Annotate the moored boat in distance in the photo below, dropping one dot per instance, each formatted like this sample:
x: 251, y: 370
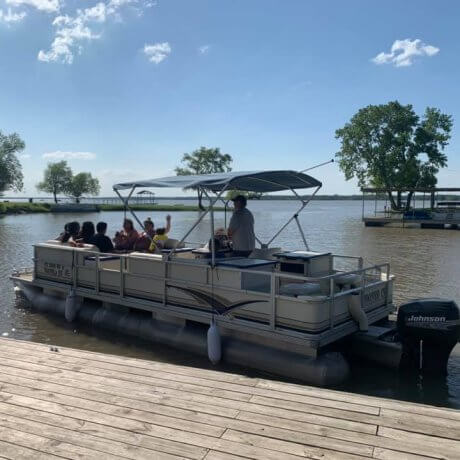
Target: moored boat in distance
x: 292, y: 313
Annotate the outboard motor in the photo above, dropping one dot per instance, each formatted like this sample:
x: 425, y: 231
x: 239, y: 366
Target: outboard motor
x: 428, y: 329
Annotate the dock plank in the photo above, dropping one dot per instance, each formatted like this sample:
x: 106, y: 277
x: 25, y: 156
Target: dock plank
x: 363, y: 399
x: 79, y: 404
x: 190, y: 376
x: 49, y: 446
x: 61, y: 361
x: 103, y: 431
x: 129, y: 362
x: 14, y: 451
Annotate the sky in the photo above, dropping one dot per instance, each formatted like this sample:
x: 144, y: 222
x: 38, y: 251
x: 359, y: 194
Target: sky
x: 123, y: 88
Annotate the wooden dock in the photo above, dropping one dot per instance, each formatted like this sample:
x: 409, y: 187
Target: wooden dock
x: 78, y: 404
x: 381, y: 221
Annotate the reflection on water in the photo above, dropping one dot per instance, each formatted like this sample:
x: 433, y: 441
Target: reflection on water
x: 425, y: 263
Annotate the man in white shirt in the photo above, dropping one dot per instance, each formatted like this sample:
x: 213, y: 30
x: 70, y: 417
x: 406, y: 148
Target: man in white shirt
x: 241, y: 228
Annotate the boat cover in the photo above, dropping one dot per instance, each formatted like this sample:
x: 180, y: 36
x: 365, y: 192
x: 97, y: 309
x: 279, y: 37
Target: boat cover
x: 255, y: 181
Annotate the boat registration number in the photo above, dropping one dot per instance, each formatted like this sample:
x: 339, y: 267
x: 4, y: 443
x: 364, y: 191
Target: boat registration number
x: 376, y: 296
x: 57, y: 270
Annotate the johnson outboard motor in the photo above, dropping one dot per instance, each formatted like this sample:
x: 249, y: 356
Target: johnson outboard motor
x: 429, y: 329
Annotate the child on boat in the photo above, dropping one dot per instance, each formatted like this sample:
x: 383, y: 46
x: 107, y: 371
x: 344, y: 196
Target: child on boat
x: 158, y: 241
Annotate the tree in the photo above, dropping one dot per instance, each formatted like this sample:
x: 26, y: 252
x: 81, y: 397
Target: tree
x: 57, y: 179
x: 383, y: 146
x: 204, y: 161
x: 10, y: 168
x: 83, y: 183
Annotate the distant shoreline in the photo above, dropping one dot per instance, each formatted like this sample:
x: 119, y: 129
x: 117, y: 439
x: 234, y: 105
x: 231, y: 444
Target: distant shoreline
x: 8, y: 208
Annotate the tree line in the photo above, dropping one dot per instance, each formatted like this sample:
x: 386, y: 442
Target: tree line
x: 386, y: 146
x: 58, y: 177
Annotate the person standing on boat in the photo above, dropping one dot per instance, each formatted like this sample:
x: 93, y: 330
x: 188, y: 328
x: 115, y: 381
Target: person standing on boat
x: 241, y: 228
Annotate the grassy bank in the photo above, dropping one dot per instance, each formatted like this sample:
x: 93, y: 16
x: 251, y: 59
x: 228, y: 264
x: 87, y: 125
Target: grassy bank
x: 23, y: 208
x: 30, y: 208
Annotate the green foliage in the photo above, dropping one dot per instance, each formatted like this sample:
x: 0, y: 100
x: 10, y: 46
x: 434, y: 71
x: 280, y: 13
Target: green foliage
x: 23, y: 208
x: 11, y: 177
x: 83, y: 183
x: 57, y: 179
x: 382, y: 146
x: 204, y: 161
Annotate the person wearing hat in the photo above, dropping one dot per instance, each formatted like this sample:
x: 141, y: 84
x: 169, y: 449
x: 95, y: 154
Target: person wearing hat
x: 241, y: 228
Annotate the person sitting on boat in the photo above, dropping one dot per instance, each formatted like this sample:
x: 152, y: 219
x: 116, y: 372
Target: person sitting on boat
x: 63, y: 234
x: 100, y: 239
x: 158, y: 240
x: 86, y: 234
x: 241, y: 228
x: 146, y: 237
x: 126, y: 238
x: 222, y: 243
x: 70, y: 234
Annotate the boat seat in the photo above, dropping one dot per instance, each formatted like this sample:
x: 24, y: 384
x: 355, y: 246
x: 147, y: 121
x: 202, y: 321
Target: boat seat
x: 300, y: 289
x: 171, y: 242
x: 264, y: 253
x: 87, y: 247
x: 58, y: 243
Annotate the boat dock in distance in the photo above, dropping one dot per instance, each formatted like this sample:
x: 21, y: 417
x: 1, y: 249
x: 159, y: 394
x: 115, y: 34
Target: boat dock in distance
x: 66, y: 403
x: 427, y: 208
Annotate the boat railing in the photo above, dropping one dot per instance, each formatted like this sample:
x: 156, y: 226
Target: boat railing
x: 371, y: 277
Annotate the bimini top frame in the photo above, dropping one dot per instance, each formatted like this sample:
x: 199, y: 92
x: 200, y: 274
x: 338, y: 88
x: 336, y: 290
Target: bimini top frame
x: 255, y: 181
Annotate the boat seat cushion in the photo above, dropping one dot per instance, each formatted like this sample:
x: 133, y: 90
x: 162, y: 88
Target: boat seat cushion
x: 298, y: 289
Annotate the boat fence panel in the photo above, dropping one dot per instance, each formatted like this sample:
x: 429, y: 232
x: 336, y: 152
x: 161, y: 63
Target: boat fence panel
x: 255, y: 298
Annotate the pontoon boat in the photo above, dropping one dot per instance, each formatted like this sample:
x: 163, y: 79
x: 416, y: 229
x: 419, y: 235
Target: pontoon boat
x: 292, y: 313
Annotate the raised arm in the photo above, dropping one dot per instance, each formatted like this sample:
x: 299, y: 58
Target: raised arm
x: 168, y: 224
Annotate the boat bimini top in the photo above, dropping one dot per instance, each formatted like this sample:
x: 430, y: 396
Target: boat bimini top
x: 253, y: 181
x: 218, y: 183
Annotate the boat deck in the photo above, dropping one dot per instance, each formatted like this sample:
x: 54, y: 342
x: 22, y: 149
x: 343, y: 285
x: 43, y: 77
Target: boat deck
x: 78, y: 404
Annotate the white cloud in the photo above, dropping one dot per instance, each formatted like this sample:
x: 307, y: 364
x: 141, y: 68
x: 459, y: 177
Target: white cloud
x: 50, y: 6
x: 204, y: 49
x: 59, y: 155
x: 403, y: 52
x: 9, y: 16
x: 97, y: 13
x: 68, y: 37
x: 73, y: 31
x: 157, y: 52
x: 24, y: 156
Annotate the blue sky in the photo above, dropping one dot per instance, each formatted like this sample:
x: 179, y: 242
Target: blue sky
x: 122, y: 88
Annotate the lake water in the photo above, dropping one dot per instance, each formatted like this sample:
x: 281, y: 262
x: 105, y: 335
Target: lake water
x: 425, y: 263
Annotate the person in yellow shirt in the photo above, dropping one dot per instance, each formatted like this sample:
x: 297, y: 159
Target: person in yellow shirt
x: 158, y: 240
